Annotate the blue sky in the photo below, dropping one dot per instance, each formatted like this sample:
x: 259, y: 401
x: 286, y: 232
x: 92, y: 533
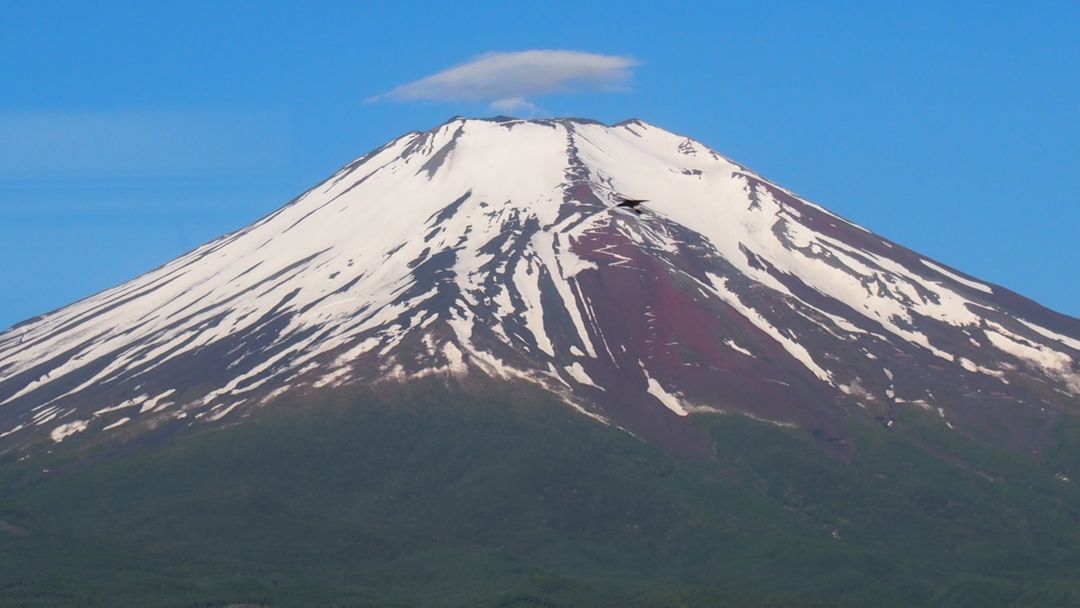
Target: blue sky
x: 132, y: 132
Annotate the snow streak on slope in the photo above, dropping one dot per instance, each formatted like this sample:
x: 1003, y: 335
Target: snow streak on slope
x: 493, y: 247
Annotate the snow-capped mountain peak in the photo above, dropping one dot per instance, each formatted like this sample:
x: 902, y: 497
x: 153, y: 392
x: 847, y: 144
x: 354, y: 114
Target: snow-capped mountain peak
x: 494, y: 249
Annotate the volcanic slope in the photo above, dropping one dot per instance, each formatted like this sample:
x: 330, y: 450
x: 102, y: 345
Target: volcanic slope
x: 493, y: 250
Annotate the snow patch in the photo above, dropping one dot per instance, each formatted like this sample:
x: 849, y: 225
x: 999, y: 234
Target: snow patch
x: 454, y: 358
x: 670, y: 401
x: 577, y: 372
x: 119, y: 422
x: 739, y: 349
x: 64, y: 431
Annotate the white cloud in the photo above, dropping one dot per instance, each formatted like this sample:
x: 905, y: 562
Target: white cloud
x: 506, y: 80
x: 510, y: 105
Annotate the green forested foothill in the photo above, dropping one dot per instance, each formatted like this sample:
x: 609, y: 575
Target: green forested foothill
x: 506, y: 498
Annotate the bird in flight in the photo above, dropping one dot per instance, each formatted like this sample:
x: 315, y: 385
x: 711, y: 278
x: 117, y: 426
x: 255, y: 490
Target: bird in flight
x: 631, y: 203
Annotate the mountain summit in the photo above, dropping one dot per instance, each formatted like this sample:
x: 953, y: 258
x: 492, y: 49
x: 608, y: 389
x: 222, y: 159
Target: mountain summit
x: 495, y: 250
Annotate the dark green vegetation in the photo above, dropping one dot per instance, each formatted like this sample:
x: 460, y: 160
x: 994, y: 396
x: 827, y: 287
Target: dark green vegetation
x: 434, y: 499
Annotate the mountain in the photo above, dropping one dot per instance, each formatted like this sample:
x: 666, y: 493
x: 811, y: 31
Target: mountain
x: 457, y: 373
x: 494, y: 249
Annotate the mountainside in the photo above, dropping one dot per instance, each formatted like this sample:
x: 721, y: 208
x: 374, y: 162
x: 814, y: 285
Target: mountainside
x: 493, y: 249
x: 459, y: 373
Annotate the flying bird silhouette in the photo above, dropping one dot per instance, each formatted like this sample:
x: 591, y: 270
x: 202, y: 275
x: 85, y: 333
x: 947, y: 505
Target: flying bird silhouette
x: 632, y: 203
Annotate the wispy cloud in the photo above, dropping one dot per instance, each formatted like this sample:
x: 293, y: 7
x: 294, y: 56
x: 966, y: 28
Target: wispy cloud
x: 53, y: 146
x: 507, y: 80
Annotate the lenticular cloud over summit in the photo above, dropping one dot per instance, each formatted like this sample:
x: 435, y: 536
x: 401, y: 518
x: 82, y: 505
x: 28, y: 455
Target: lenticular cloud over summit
x: 507, y: 79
